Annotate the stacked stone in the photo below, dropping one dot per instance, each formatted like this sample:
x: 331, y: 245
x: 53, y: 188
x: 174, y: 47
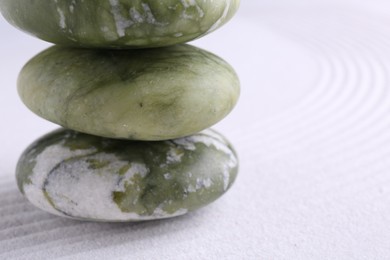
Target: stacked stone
x: 134, y: 145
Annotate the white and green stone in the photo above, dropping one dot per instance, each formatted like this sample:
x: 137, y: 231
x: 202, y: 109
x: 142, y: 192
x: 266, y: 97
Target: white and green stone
x: 118, y: 23
x: 82, y: 176
x: 143, y: 94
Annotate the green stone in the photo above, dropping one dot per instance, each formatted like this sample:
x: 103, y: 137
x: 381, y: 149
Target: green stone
x: 143, y: 94
x: 82, y: 176
x: 118, y: 23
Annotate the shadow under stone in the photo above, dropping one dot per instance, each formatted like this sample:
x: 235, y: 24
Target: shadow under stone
x: 31, y: 232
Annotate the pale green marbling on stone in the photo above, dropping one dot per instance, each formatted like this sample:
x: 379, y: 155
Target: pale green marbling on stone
x: 144, y: 94
x: 118, y: 23
x: 93, y: 178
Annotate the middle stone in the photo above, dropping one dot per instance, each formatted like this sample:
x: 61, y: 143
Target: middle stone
x: 148, y: 94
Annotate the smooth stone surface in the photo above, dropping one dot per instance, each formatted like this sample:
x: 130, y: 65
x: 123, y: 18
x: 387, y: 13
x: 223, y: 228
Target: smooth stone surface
x: 93, y: 178
x: 147, y: 94
x: 118, y: 23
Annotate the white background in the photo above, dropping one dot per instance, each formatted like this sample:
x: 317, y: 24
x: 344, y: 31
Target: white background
x: 312, y: 129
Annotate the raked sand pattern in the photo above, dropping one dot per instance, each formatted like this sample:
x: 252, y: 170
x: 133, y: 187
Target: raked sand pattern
x: 314, y: 177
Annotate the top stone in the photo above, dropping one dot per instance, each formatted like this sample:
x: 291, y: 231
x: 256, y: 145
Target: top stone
x: 118, y: 23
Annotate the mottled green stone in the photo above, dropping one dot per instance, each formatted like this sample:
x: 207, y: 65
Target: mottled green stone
x: 143, y: 94
x: 82, y: 176
x: 118, y: 23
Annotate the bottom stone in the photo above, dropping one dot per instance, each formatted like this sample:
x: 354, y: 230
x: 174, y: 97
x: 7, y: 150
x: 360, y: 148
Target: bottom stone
x: 93, y: 178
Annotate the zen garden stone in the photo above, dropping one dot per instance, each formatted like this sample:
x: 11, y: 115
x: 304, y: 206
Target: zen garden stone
x: 151, y: 94
x: 134, y: 146
x: 118, y: 23
x: 88, y: 177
